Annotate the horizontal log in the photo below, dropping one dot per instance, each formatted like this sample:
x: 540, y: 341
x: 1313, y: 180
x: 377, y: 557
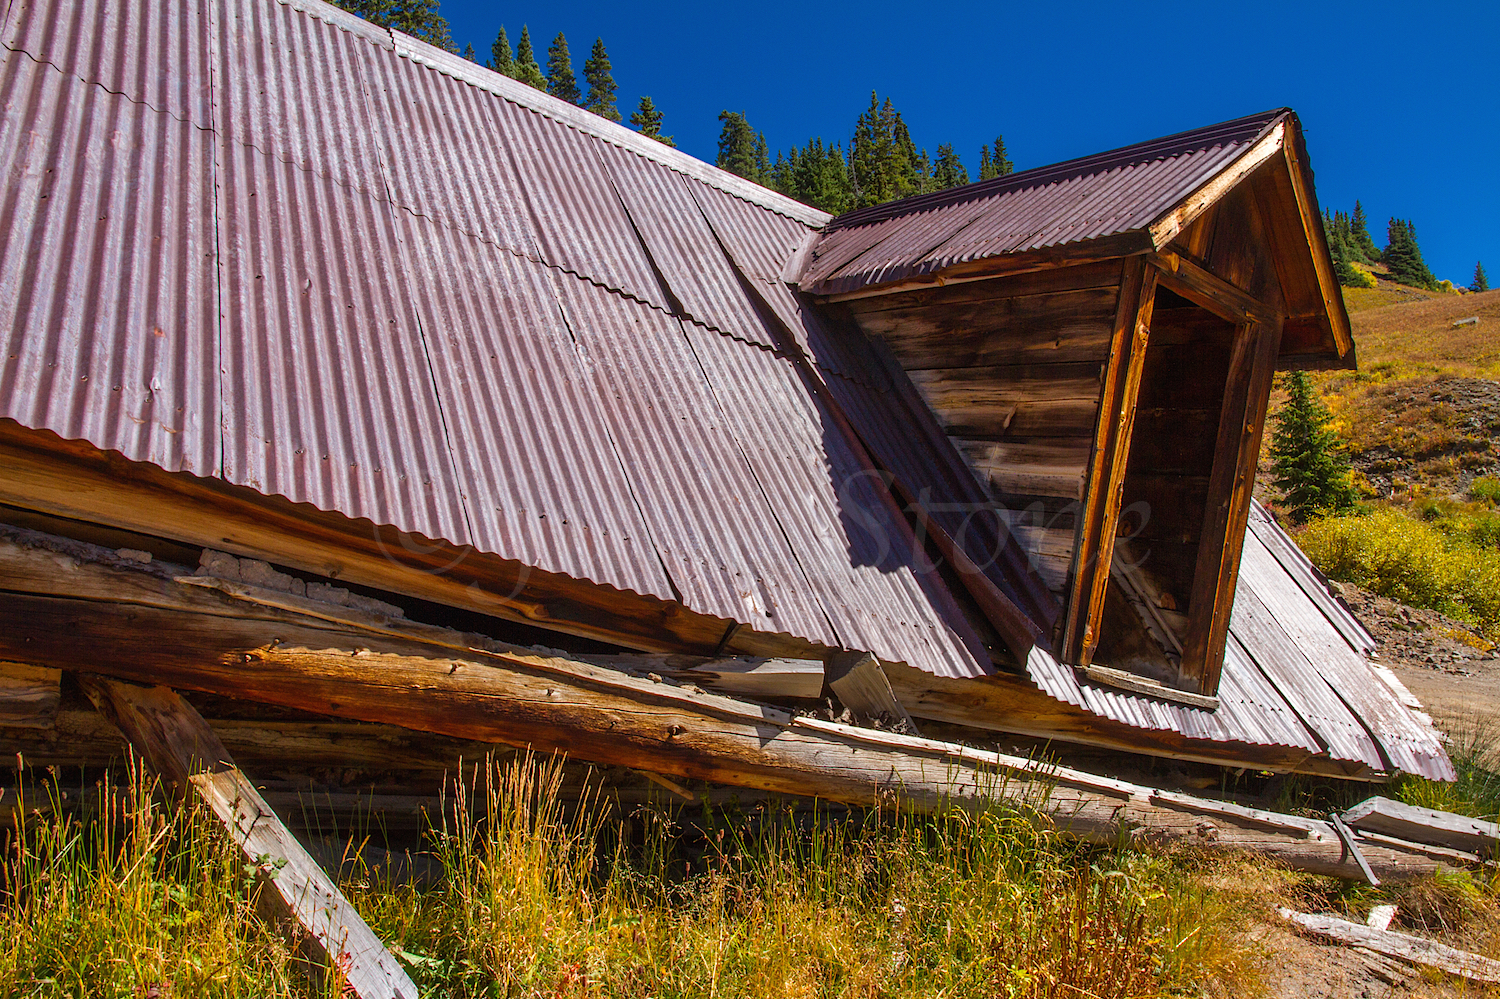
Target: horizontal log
x: 67, y: 611
x: 28, y: 695
x: 1425, y: 825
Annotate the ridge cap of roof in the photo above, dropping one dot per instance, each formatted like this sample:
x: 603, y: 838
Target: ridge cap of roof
x: 1158, y: 148
x: 575, y: 117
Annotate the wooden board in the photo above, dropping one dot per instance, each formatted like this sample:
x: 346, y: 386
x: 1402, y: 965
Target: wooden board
x: 28, y: 695
x: 1417, y: 950
x: 1425, y: 825
x: 177, y: 744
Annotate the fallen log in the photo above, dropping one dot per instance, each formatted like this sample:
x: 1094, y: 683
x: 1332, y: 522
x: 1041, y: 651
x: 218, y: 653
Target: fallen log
x: 179, y: 746
x: 70, y: 607
x: 1417, y: 950
x: 1425, y: 825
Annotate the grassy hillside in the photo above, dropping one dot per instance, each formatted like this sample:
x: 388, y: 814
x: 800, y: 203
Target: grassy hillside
x: 1421, y: 420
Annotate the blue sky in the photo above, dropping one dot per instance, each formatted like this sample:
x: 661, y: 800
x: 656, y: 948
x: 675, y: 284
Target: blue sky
x: 1401, y: 103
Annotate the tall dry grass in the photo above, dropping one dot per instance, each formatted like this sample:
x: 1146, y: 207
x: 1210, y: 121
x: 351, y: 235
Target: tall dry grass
x: 544, y: 895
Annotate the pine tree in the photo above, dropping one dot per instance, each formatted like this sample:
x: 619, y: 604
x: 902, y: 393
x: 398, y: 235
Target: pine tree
x: 999, y: 160
x: 596, y: 73
x: 948, y: 170
x: 501, y: 61
x: 1359, y: 236
x: 884, y: 160
x: 762, y: 159
x: 819, y: 176
x: 737, y: 145
x: 527, y: 70
x: 1404, y: 257
x: 648, y: 119
x: 1308, y: 463
x: 418, y: 18
x: 1480, y: 282
x: 561, y: 83
x: 470, y: 54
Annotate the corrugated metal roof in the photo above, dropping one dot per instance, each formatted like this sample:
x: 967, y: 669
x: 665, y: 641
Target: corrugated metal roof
x: 108, y: 321
x: 1109, y: 194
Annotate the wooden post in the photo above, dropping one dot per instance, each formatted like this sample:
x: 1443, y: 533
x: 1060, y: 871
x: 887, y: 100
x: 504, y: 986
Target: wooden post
x: 1094, y: 547
x: 177, y: 743
x: 1242, y: 419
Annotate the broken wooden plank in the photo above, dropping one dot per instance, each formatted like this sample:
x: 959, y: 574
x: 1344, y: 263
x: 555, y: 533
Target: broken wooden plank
x: 177, y: 743
x: 1380, y: 917
x: 742, y: 676
x: 29, y: 695
x: 861, y: 685
x: 1425, y: 825
x: 1107, y: 677
x: 1417, y: 950
x: 137, y: 624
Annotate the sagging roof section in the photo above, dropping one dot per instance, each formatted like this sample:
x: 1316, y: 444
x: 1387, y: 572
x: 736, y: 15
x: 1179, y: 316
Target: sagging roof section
x: 1296, y: 673
x: 240, y: 241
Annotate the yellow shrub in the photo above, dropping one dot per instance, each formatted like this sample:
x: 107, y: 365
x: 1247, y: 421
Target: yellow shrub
x: 1411, y: 561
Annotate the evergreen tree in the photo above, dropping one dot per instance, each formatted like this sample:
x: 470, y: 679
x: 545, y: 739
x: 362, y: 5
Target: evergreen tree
x: 501, y: 60
x: 737, y: 145
x: 819, y: 176
x: 948, y: 170
x: 418, y: 18
x: 1359, y: 236
x: 1308, y: 463
x: 596, y: 72
x: 1403, y: 256
x: 762, y: 159
x: 883, y: 161
x: 561, y: 83
x: 648, y: 119
x: 1480, y: 282
x: 994, y: 163
x: 526, y: 68
x: 470, y: 54
x: 1338, y: 229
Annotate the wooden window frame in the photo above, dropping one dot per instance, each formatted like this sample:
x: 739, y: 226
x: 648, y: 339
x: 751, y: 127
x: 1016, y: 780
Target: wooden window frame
x: 1253, y: 357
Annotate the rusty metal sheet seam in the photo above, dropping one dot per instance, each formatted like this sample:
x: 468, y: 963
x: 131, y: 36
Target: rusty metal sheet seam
x: 105, y: 88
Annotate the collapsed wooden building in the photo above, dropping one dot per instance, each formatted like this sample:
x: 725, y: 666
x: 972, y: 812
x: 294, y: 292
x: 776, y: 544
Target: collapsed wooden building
x: 344, y: 376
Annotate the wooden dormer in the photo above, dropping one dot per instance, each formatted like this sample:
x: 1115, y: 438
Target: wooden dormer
x: 1099, y: 339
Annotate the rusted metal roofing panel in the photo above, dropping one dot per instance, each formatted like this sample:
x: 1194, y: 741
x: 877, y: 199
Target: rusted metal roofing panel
x: 107, y: 291
x: 581, y: 225
x: 1110, y: 194
x: 681, y: 244
x: 297, y: 110
x: 328, y: 397
x: 708, y: 518
x: 541, y: 480
x: 840, y: 523
x: 152, y: 53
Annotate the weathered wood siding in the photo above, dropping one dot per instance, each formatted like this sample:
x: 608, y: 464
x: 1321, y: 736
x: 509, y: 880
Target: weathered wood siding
x: 1011, y: 367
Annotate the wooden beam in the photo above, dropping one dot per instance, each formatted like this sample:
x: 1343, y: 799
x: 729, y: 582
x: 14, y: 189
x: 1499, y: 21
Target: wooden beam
x: 1242, y: 420
x: 1093, y: 549
x: 73, y: 480
x: 178, y: 744
x: 1425, y: 825
x: 67, y: 610
x: 1417, y: 950
x: 28, y: 695
x: 1201, y: 286
x: 1317, y: 241
x: 1181, y: 215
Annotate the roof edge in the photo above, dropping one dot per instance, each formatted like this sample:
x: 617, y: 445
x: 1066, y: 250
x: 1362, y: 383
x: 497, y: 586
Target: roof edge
x: 586, y: 121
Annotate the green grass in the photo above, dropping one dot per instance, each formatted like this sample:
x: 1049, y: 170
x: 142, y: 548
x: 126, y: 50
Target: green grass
x: 1413, y: 560
x: 547, y: 898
